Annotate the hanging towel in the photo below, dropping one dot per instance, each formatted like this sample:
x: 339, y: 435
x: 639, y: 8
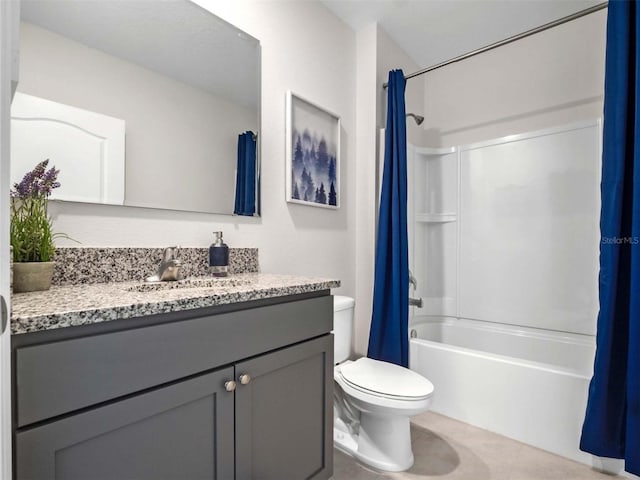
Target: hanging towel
x: 245, y: 203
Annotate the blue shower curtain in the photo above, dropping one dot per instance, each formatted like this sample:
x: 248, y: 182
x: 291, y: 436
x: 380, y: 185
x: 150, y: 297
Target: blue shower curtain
x: 388, y: 336
x: 246, y: 175
x: 612, y: 423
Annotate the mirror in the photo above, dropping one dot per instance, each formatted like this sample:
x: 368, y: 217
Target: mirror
x: 139, y: 103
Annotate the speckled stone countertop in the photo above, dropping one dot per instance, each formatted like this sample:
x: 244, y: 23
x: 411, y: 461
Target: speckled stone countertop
x: 67, y: 306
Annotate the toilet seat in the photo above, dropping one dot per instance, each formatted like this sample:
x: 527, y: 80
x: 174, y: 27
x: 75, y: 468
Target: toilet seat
x: 386, y: 380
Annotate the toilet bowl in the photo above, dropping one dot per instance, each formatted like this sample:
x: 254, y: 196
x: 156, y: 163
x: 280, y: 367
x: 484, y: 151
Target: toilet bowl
x: 373, y: 402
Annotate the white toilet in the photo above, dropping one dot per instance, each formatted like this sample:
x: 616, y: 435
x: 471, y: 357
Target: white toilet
x: 373, y: 401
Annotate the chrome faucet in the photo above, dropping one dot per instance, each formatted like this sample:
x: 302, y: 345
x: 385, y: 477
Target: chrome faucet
x: 412, y: 280
x: 414, y: 302
x: 170, y: 268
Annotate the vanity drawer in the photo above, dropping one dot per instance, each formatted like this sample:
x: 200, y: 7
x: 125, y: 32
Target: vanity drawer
x: 63, y: 376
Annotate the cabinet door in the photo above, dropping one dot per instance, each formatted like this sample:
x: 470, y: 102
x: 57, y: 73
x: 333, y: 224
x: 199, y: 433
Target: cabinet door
x: 284, y: 415
x: 181, y: 431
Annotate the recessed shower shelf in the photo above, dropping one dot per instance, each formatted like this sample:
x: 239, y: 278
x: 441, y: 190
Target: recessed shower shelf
x: 435, y: 217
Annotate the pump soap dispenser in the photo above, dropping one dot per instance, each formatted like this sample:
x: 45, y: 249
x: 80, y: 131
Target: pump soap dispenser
x: 219, y: 257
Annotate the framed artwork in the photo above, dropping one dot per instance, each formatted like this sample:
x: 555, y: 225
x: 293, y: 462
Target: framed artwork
x: 312, y: 154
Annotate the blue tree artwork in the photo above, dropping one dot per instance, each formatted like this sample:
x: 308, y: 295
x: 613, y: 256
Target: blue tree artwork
x: 314, y: 161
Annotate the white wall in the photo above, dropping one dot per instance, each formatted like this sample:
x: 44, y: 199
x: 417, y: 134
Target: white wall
x: 366, y: 105
x: 174, y: 131
x: 390, y: 56
x: 551, y: 78
x: 309, y: 51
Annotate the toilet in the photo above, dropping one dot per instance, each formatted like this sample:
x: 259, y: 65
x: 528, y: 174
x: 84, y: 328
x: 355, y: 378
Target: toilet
x: 373, y: 401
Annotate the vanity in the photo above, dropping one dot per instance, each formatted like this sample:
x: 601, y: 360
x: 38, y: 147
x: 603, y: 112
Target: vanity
x: 113, y: 380
x: 183, y: 383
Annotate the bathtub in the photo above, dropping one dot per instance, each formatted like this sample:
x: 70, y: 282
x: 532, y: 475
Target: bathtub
x: 527, y: 384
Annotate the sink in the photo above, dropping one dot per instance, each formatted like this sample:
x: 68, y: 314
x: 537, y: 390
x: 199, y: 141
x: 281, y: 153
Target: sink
x: 208, y: 282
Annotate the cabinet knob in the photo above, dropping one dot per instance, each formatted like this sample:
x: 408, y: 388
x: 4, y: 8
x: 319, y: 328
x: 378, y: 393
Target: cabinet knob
x: 244, y: 378
x: 230, y: 386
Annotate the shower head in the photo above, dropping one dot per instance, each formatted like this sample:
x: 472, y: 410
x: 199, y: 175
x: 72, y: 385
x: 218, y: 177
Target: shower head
x: 418, y: 118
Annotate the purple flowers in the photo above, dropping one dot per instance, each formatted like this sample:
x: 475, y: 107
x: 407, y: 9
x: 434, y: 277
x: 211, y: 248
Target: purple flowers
x: 38, y: 182
x: 31, y: 230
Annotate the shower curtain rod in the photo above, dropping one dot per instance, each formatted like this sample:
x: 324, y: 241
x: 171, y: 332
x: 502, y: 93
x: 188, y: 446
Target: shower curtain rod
x: 519, y: 36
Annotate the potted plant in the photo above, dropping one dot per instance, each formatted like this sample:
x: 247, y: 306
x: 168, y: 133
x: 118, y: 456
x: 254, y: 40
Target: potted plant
x: 31, y: 232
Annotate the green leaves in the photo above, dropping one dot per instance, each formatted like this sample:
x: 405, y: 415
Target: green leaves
x: 31, y: 230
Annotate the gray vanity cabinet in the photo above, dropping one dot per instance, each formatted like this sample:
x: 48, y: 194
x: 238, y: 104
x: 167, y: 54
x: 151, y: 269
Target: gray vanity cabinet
x: 183, y: 431
x: 281, y: 409
x: 182, y: 419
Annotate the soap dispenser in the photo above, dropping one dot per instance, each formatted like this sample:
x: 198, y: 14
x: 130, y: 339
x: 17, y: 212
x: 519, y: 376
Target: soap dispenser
x: 219, y: 257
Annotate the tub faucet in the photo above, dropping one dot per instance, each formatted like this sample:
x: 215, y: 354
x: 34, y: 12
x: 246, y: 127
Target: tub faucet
x: 414, y: 302
x: 412, y: 280
x: 170, y: 268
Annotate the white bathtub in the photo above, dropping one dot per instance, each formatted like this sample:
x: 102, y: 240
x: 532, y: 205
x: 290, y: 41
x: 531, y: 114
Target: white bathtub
x: 527, y: 384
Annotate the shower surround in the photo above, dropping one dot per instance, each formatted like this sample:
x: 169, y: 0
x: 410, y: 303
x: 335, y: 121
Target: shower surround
x: 504, y: 244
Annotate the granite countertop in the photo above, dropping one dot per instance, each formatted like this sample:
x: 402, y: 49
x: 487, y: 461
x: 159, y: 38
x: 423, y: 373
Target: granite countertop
x: 67, y: 306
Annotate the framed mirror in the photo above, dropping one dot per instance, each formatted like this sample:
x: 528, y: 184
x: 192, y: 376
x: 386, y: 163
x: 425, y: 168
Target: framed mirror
x: 139, y: 103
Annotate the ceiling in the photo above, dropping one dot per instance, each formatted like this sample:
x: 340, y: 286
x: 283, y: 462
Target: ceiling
x: 432, y: 31
x: 155, y: 38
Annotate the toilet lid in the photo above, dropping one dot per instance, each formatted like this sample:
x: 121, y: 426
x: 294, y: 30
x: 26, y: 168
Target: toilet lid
x: 386, y: 378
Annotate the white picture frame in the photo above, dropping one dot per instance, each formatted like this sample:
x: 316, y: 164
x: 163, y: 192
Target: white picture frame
x: 312, y: 154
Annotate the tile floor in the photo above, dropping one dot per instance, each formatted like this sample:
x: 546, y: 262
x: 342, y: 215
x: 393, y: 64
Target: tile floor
x: 447, y: 449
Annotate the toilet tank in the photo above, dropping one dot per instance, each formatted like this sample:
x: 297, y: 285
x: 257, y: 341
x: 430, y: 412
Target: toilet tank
x: 342, y: 327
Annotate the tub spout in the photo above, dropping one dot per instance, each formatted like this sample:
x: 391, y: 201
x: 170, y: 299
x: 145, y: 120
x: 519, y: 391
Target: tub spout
x: 415, y: 302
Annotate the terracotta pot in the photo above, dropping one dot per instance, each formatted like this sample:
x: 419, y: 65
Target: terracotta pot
x: 32, y: 276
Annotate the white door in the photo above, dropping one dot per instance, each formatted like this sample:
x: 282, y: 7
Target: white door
x: 9, y: 23
x: 87, y: 147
